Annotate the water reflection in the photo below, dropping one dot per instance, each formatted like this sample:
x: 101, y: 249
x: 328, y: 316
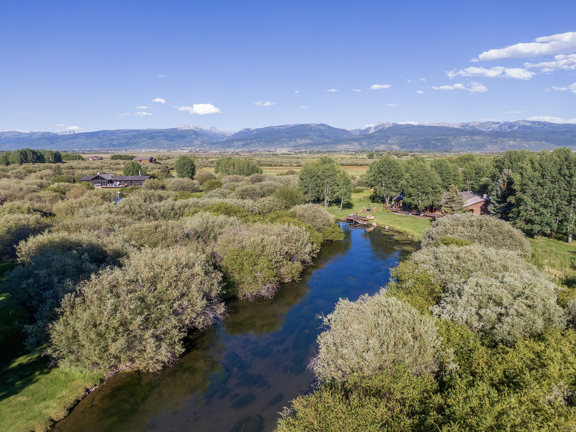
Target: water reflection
x: 238, y: 376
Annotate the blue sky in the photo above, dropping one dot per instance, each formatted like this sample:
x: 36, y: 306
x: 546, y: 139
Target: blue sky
x: 88, y: 65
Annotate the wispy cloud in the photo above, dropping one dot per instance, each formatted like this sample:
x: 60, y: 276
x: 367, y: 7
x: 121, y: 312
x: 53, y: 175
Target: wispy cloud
x: 264, y: 104
x: 560, y: 43
x: 571, y: 88
x: 200, y: 109
x: 332, y: 90
x: 159, y: 100
x: 162, y: 76
x: 552, y: 119
x: 142, y: 114
x: 419, y: 92
x: 303, y: 107
x: 380, y: 86
x: 357, y: 90
x: 392, y: 105
x: 561, y: 61
x: 494, y: 72
x: 296, y: 91
x: 472, y: 88
x: 142, y: 107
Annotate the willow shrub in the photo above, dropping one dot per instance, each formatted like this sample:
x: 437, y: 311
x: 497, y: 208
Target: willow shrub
x: 483, y: 230
x: 314, y: 215
x: 163, y: 233
x: 207, y: 227
x: 375, y: 335
x: 399, y: 401
x: 281, y: 251
x: 51, y: 266
x: 505, y: 307
x: 169, y: 291
x: 17, y: 227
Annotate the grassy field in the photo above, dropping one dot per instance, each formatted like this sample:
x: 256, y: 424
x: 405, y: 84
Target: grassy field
x: 32, y: 395
x: 411, y: 225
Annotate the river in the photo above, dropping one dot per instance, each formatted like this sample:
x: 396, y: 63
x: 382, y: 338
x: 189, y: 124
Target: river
x: 239, y: 375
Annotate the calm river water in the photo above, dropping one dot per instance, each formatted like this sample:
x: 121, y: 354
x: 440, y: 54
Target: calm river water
x: 239, y: 375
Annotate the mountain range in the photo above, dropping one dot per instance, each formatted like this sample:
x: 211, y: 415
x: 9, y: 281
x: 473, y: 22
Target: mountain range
x: 460, y: 137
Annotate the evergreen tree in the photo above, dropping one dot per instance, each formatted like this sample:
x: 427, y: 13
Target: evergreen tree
x: 453, y: 202
x: 503, y: 196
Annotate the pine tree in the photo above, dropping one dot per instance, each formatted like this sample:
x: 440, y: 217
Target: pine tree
x: 453, y: 202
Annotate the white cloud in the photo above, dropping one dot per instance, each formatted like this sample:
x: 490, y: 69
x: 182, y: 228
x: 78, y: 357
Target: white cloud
x: 265, y: 104
x: 560, y: 43
x: 124, y: 114
x: 72, y: 128
x: 419, y: 92
x: 473, y: 88
x: 357, y: 90
x: 332, y: 90
x: 162, y: 76
x: 142, y: 114
x: 494, y: 72
x: 380, y: 86
x: 552, y: 119
x: 296, y: 91
x: 561, y: 61
x: 159, y: 100
x: 570, y: 88
x: 142, y: 107
x: 303, y: 107
x: 200, y: 109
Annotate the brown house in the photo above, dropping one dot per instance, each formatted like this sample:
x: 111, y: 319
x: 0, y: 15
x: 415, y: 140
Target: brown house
x: 95, y: 157
x: 145, y: 160
x: 114, y: 181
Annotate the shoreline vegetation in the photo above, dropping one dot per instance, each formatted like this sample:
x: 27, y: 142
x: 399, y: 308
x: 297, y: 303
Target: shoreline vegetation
x: 66, y: 246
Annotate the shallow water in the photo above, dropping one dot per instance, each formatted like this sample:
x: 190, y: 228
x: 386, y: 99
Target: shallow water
x: 239, y: 375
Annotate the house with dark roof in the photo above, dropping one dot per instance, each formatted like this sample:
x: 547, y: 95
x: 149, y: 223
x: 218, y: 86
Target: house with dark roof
x: 114, y: 181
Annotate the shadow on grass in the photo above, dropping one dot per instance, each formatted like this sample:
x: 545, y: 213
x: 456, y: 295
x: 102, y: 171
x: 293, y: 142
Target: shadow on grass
x: 18, y: 368
x: 23, y: 370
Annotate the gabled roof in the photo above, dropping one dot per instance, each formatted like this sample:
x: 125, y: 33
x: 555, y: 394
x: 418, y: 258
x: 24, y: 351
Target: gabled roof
x: 113, y: 177
x: 470, y: 198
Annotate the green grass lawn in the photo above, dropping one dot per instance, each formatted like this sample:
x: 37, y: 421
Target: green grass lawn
x: 556, y: 258
x: 411, y: 225
x: 32, y: 394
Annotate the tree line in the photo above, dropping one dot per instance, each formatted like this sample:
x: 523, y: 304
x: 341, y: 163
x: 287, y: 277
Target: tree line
x: 22, y: 156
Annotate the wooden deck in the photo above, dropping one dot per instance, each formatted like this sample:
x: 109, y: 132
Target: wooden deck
x: 358, y: 220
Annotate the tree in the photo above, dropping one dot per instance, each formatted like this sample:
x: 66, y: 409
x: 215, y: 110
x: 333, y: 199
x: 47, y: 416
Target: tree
x: 318, y: 180
x: 185, y: 167
x: 453, y: 202
x: 133, y: 168
x: 422, y: 186
x: 237, y: 166
x: 385, y: 177
x: 503, y: 195
x: 343, y: 190
x: 449, y: 173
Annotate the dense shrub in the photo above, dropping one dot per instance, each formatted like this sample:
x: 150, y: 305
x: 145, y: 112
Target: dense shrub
x: 156, y: 234
x: 375, y: 335
x: 314, y: 215
x: 182, y: 184
x: 122, y: 157
x: 399, y: 401
x: 505, y: 307
x: 154, y: 184
x: 238, y: 166
x: 51, y: 266
x: 279, y: 251
x: 423, y: 278
x: 290, y: 195
x: 483, y: 230
x: 207, y: 227
x: 169, y: 291
x: 211, y: 184
x: 203, y: 176
x: 17, y: 227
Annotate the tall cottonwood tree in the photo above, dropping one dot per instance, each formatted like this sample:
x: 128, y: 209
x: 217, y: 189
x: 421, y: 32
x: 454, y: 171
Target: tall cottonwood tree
x: 385, y: 177
x: 319, y: 180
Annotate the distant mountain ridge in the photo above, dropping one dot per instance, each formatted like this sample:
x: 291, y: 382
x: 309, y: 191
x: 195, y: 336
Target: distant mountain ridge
x: 460, y: 137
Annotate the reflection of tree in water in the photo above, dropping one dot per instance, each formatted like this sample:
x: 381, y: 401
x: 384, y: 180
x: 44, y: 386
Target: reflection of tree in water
x: 128, y: 400
x: 265, y: 316
x: 387, y: 245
